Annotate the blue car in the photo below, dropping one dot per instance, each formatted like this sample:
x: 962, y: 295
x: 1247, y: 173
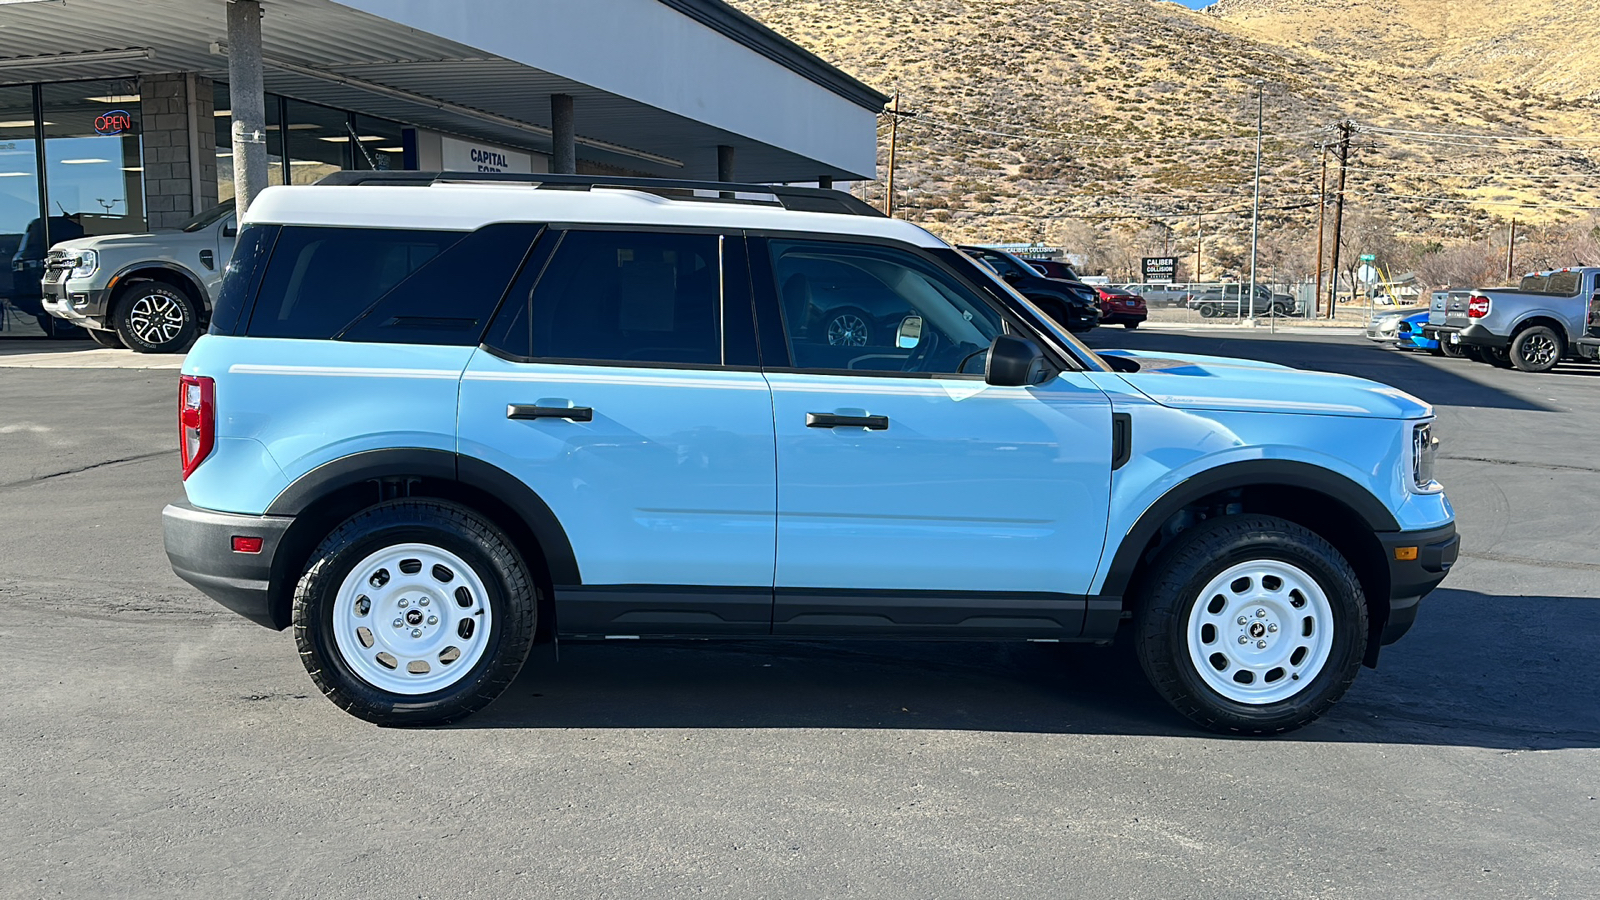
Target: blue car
x: 1409, y: 334
x: 440, y: 418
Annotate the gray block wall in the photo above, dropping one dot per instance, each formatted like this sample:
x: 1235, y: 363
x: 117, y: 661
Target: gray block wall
x: 172, y: 154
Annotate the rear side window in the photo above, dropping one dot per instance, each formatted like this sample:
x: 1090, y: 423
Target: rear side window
x: 450, y: 299
x: 621, y: 297
x: 320, y: 279
x: 242, y: 274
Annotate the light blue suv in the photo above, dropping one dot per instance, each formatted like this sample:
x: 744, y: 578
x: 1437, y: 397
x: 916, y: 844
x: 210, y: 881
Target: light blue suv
x: 439, y: 418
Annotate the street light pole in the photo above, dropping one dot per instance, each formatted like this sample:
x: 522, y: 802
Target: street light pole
x: 1255, y: 214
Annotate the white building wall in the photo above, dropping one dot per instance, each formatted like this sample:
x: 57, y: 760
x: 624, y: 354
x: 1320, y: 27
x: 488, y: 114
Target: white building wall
x: 648, y: 52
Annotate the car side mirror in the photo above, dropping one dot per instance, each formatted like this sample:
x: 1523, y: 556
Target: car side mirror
x: 909, y: 334
x: 1011, y: 361
x: 230, y: 228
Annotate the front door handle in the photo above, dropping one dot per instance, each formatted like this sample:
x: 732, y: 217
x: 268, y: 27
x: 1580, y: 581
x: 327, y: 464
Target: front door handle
x: 830, y: 420
x: 575, y: 413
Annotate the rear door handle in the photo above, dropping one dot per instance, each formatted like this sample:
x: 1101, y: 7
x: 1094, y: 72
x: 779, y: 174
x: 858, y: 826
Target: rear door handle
x: 575, y: 413
x: 830, y: 420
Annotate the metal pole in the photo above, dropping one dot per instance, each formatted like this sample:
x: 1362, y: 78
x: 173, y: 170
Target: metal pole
x: 247, y: 102
x: 894, y: 129
x: 1511, y: 244
x: 1338, y: 220
x: 1322, y: 215
x: 1255, y: 213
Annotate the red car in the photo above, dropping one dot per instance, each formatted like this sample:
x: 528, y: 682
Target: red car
x: 1120, y: 307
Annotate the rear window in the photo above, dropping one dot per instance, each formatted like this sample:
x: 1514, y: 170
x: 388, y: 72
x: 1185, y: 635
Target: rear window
x: 320, y: 279
x: 1559, y: 284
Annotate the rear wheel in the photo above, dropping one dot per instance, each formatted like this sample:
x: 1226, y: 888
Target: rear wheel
x: 414, y: 612
x: 1454, y: 351
x: 1536, y: 349
x: 155, y: 317
x: 1498, y: 357
x: 1251, y: 624
x: 108, y: 339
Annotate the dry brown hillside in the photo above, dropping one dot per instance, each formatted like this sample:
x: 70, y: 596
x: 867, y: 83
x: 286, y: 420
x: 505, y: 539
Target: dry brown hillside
x: 1076, y: 121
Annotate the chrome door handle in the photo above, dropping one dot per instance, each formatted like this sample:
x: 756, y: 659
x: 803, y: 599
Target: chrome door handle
x: 830, y: 420
x: 574, y: 413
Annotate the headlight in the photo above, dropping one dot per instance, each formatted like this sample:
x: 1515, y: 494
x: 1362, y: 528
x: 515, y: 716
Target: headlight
x: 85, y: 264
x: 1424, y: 452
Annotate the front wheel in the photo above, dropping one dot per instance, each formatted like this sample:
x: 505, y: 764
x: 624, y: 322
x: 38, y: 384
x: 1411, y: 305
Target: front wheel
x: 414, y: 612
x: 1251, y: 624
x: 1536, y: 349
x: 155, y: 317
x: 849, y: 328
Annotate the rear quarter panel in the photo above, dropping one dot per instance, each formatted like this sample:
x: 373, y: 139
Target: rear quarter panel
x: 285, y: 407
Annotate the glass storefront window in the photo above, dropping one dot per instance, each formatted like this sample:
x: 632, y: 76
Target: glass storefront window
x: 319, y: 141
x: 381, y: 145
x: 94, y: 165
x: 19, y: 211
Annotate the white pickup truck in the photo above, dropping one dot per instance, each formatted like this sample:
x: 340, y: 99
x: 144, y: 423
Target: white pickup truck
x: 1531, y: 327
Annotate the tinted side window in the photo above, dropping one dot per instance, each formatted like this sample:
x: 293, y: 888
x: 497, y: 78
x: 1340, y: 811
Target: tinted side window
x: 241, y: 275
x: 622, y: 297
x: 858, y: 307
x: 450, y: 299
x: 319, y: 279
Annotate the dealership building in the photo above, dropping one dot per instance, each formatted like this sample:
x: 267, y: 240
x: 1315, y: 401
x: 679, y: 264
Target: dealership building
x: 116, y: 116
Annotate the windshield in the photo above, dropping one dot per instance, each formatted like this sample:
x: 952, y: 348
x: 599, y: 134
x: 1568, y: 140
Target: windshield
x: 207, y: 218
x: 1560, y: 284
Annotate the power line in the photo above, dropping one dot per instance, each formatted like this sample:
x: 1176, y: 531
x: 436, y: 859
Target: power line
x: 1107, y: 142
x: 1474, y: 202
x: 1593, y: 175
x: 1486, y: 137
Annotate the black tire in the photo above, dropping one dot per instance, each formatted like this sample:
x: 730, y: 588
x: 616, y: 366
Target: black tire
x: 1453, y: 351
x: 848, y: 327
x: 1184, y: 570
x: 1500, y: 359
x: 1209, y: 311
x: 1537, y: 349
x: 155, y: 317
x: 512, y: 603
x: 1130, y: 325
x: 108, y: 339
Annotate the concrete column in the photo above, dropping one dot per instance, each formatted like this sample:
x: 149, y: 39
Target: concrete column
x: 563, y: 137
x: 825, y: 182
x: 170, y: 159
x: 247, y: 101
x: 724, y: 162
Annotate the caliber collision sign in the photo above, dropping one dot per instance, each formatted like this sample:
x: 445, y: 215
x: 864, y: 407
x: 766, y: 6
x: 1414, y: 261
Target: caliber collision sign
x: 1160, y: 269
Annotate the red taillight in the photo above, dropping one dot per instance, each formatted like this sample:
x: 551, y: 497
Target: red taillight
x: 197, y: 402
x: 242, y: 544
x: 1477, y: 307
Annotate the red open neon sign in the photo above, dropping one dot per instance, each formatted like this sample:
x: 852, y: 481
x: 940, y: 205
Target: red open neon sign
x: 114, y: 122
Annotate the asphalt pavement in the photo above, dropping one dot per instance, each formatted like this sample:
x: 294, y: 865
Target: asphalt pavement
x: 156, y: 745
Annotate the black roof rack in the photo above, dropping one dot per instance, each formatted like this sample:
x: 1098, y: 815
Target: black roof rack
x: 799, y: 199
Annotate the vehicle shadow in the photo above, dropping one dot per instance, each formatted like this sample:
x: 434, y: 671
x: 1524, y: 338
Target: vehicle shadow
x: 1437, y: 380
x: 1477, y: 671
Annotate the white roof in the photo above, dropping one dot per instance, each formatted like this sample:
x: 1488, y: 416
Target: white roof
x: 466, y: 207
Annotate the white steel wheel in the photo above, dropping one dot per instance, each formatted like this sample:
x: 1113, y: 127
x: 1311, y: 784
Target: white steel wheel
x: 412, y: 619
x: 1260, y: 632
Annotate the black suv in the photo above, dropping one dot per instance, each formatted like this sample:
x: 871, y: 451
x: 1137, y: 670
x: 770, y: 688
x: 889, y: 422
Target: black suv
x: 1071, y: 303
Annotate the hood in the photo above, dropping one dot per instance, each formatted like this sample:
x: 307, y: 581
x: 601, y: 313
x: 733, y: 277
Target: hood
x: 1186, y: 381
x: 163, y: 238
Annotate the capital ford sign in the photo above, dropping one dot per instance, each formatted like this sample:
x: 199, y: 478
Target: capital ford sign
x: 471, y: 156
x: 112, y: 122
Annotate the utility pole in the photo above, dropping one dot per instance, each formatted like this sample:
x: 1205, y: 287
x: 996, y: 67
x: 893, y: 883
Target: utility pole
x: 894, y: 130
x: 1199, y: 239
x: 1511, y: 245
x: 1322, y: 215
x: 1255, y: 212
x: 1338, y: 215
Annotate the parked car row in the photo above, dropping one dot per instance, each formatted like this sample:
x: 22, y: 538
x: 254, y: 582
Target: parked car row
x: 1548, y: 317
